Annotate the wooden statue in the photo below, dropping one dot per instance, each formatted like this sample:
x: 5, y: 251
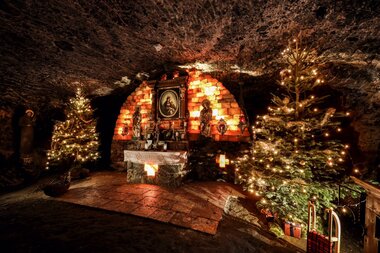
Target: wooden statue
x: 27, y: 123
x: 136, y: 127
x: 205, y: 118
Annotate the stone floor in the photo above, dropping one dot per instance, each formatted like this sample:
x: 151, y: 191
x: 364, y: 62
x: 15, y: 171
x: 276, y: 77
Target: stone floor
x: 198, y: 206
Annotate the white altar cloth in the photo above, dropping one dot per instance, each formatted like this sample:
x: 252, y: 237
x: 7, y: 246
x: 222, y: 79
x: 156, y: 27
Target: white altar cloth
x: 155, y: 157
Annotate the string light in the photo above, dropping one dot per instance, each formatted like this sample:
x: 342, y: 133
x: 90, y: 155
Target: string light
x: 289, y: 145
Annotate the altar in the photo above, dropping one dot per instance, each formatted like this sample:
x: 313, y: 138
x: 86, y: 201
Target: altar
x: 159, y: 167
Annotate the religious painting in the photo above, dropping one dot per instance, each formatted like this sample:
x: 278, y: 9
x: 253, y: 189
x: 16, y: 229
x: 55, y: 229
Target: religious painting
x: 169, y: 103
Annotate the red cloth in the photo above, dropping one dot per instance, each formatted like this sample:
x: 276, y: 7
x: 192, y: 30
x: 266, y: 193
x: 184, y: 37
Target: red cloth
x: 293, y: 230
x: 318, y: 243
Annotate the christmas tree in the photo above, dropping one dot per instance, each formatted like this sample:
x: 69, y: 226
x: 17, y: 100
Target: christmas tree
x: 295, y: 157
x: 75, y: 141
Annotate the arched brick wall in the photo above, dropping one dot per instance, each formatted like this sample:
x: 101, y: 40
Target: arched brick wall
x: 200, y: 87
x: 142, y: 97
x: 223, y: 104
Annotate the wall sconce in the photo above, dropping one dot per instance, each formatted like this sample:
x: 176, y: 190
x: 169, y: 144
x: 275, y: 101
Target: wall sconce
x: 222, y: 160
x: 242, y: 124
x: 222, y: 126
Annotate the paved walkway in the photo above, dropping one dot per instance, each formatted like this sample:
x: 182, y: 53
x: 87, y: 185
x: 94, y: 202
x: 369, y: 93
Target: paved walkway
x: 198, y: 206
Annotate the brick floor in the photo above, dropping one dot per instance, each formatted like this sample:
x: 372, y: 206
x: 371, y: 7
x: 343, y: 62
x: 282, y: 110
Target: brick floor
x: 197, y: 206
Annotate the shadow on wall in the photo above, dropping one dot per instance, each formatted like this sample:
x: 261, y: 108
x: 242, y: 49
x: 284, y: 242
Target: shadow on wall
x: 107, y: 109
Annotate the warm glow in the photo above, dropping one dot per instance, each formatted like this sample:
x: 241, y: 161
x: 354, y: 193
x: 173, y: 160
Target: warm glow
x: 120, y: 131
x: 195, y: 114
x: 150, y: 169
x: 209, y: 91
x: 223, y: 161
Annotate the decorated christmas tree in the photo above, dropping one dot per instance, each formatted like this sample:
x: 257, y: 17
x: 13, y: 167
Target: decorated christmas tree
x: 75, y: 140
x: 296, y: 156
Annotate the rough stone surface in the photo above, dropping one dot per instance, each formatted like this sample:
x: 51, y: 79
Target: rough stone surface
x: 235, y: 208
x: 50, y: 47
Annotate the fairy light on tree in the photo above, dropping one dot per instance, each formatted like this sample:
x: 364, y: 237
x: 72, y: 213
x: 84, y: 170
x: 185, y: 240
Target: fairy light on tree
x: 296, y: 158
x: 75, y: 140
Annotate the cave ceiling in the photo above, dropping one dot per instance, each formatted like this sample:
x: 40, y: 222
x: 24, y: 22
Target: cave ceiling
x: 47, y: 47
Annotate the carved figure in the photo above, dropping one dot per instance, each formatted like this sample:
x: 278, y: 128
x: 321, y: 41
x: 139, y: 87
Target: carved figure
x: 27, y: 123
x: 136, y: 127
x: 156, y: 133
x: 205, y: 118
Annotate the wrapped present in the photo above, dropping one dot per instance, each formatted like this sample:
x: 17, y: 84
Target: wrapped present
x: 292, y: 229
x: 268, y: 215
x: 318, y: 243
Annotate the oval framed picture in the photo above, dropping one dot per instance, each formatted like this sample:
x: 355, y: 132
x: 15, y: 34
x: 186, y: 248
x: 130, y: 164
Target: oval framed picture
x: 168, y: 103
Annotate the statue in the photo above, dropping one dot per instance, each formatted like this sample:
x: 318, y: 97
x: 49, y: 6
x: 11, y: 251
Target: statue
x: 156, y: 133
x: 136, y: 126
x: 205, y: 118
x: 27, y: 123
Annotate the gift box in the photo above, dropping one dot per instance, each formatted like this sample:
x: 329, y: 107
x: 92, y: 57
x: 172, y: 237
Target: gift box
x: 318, y: 243
x: 292, y: 229
x: 268, y: 215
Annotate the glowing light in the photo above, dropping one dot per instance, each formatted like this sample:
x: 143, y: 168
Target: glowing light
x: 195, y: 114
x: 150, y: 169
x: 209, y: 91
x: 223, y: 161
